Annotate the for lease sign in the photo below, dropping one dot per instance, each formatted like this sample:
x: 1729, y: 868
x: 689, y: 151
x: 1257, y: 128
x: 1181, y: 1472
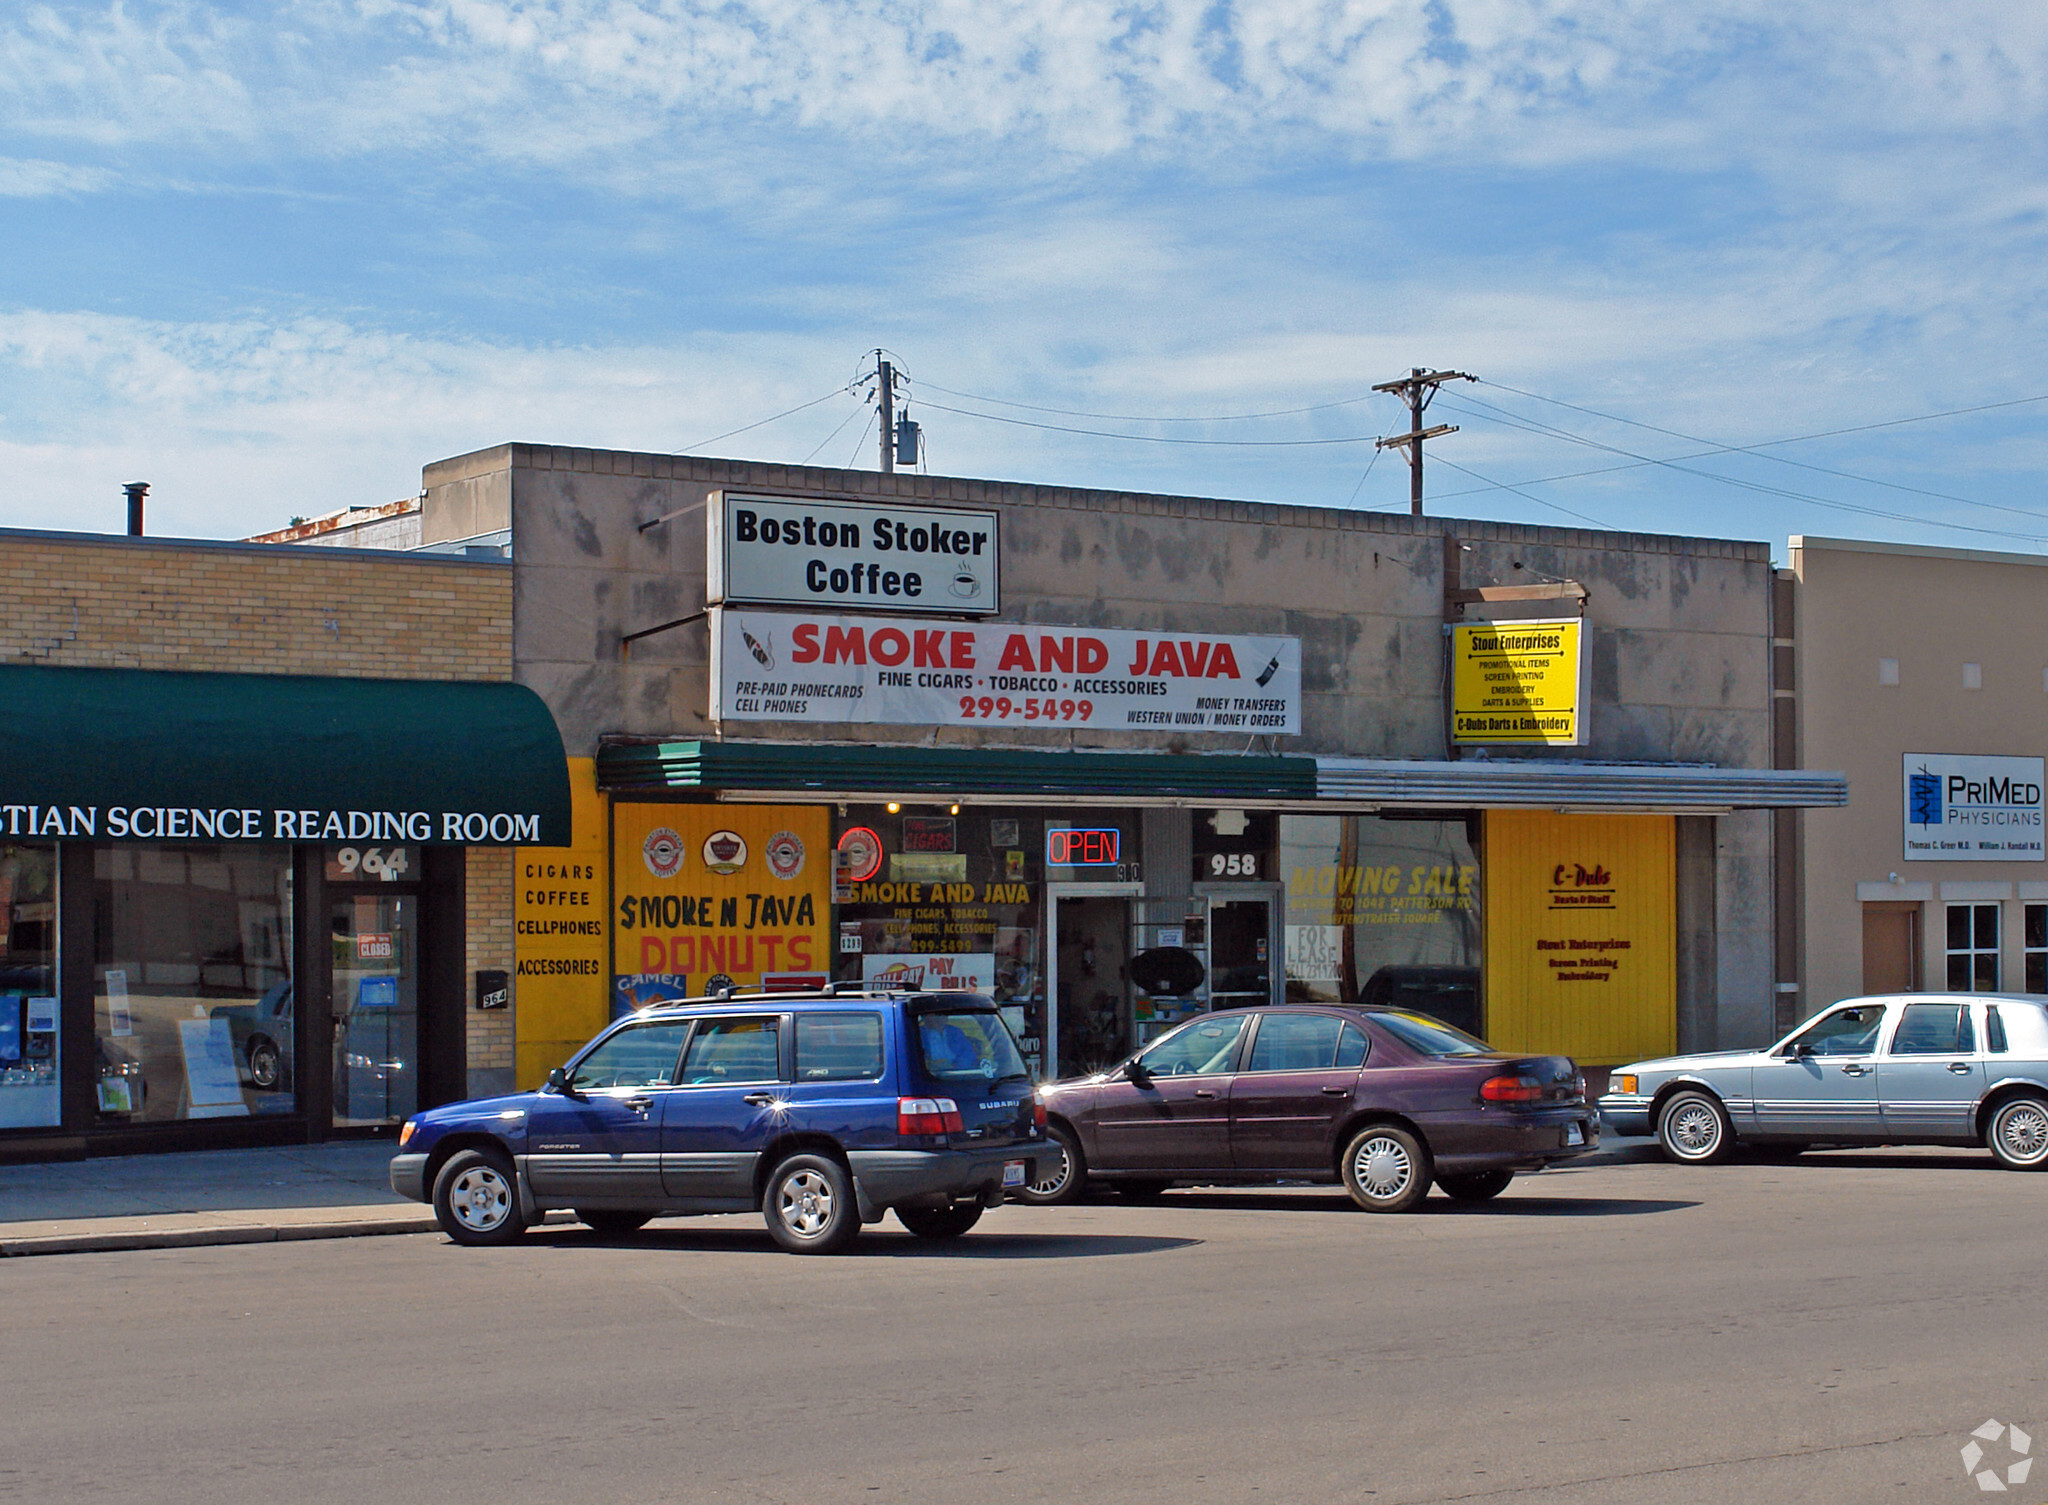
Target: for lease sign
x: 785, y: 666
x: 1972, y: 809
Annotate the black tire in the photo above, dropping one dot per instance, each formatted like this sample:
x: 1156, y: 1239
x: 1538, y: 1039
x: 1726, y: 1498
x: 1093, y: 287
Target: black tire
x: 613, y: 1224
x: 940, y: 1223
x: 1063, y: 1181
x: 1475, y: 1186
x: 2018, y: 1133
x: 266, y: 1064
x: 476, y: 1199
x: 1142, y: 1191
x: 1386, y: 1169
x: 808, y: 1203
x: 1693, y: 1129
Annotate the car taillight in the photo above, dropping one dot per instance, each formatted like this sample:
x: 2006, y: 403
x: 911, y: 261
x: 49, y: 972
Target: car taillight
x: 928, y: 1115
x: 1511, y: 1089
x: 1038, y: 1110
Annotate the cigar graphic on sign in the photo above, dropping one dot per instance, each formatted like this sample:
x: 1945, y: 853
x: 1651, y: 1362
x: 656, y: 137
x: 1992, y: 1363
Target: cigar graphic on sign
x: 767, y: 656
x: 1266, y: 674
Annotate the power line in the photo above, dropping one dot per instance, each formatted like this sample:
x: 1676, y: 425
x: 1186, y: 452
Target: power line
x: 1032, y: 407
x: 1533, y: 426
x: 1062, y: 428
x: 1757, y: 449
x: 860, y: 443
x: 748, y: 428
x: 834, y: 434
x: 1530, y: 496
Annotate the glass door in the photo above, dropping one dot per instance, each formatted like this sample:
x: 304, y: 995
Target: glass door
x: 376, y: 1008
x: 1244, y: 945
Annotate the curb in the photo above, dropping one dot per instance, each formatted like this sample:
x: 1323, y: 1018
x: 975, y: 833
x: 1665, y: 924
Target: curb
x: 199, y: 1238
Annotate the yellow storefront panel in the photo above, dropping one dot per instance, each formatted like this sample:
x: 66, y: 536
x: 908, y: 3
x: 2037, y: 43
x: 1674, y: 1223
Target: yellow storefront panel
x: 560, y: 931
x: 1581, y: 935
x: 704, y: 895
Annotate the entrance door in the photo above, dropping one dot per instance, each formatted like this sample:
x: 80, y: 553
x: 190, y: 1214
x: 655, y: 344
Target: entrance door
x: 1244, y: 946
x: 376, y: 1008
x: 1891, y: 948
x: 1089, y: 979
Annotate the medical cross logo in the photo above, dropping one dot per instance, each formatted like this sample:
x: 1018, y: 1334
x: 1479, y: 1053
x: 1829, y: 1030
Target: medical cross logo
x: 1990, y: 1480
x: 1923, y: 798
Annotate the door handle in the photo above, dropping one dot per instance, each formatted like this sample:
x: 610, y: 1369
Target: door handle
x: 1203, y: 1092
x: 1853, y: 1070
x: 639, y: 1104
x: 758, y: 1099
x: 1961, y: 1068
x: 1336, y: 1092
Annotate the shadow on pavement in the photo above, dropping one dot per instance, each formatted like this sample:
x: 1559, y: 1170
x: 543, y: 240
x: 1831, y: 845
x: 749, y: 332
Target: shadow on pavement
x: 883, y: 1241
x: 1520, y: 1205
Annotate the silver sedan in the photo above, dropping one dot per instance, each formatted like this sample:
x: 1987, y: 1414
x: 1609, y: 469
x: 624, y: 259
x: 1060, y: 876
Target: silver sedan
x: 1924, y: 1068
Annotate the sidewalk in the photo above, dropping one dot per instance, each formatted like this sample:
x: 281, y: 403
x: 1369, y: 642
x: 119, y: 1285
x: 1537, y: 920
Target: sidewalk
x: 211, y: 1197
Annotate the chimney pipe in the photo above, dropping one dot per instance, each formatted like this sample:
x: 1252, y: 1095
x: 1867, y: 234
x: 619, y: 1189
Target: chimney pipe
x: 136, y: 490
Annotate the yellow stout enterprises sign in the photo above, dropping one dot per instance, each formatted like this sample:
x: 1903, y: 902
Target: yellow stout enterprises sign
x: 560, y: 937
x: 1581, y: 935
x: 1515, y: 682
x: 710, y: 894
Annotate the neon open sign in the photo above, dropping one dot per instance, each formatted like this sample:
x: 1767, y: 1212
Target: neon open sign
x: 1083, y: 848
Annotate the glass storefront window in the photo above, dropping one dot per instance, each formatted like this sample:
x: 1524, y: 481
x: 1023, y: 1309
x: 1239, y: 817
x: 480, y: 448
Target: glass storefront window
x: 30, y: 1057
x: 376, y: 1008
x: 1383, y: 911
x: 192, y: 982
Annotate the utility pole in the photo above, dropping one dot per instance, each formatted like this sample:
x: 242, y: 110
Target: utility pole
x: 886, y: 393
x: 1416, y: 389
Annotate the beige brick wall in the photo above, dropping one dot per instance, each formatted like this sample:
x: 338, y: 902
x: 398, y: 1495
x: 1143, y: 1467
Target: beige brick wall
x: 490, y: 874
x: 253, y: 609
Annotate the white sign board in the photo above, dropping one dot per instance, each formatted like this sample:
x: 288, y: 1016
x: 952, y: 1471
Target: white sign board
x: 1968, y: 809
x: 790, y: 551
x: 934, y: 972
x: 213, y: 1084
x: 827, y: 670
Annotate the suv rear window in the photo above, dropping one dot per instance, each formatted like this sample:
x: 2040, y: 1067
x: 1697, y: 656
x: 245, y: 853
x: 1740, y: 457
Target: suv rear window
x: 967, y: 1045
x: 838, y: 1047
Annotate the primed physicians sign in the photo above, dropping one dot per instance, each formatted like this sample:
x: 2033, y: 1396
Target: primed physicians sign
x: 788, y: 666
x: 1516, y: 682
x: 1964, y: 809
x: 787, y: 551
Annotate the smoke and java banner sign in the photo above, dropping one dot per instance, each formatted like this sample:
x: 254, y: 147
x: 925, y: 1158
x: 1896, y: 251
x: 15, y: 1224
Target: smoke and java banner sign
x: 783, y: 666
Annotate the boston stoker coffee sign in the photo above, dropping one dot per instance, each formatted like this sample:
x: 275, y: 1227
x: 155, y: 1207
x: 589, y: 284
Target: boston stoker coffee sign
x: 793, y: 666
x: 787, y: 551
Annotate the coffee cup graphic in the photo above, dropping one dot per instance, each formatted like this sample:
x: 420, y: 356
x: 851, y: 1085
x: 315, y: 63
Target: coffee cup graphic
x: 965, y: 586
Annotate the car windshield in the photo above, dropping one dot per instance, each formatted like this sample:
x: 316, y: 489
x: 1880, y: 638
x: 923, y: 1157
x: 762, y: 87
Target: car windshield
x: 968, y: 1045
x: 1429, y: 1037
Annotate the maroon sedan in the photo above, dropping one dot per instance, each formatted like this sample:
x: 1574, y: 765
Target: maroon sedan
x: 1383, y: 1100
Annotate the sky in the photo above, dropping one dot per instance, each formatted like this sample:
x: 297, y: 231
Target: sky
x: 275, y: 258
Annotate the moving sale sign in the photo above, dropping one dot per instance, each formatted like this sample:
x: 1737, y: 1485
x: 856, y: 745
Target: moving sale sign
x: 779, y: 666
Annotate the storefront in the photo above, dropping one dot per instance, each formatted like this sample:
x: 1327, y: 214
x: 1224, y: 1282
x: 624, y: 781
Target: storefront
x: 236, y: 903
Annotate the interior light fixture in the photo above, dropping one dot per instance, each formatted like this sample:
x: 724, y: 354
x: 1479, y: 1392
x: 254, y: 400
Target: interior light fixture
x: 894, y: 807
x: 953, y: 809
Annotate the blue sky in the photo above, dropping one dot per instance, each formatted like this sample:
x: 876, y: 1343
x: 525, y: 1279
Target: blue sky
x: 275, y: 258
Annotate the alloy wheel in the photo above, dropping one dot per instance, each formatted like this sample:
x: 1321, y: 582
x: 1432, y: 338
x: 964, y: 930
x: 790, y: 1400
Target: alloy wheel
x: 806, y: 1201
x: 481, y: 1199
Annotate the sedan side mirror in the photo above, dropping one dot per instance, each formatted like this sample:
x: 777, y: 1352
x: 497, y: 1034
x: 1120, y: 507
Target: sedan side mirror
x: 558, y: 1079
x: 1802, y: 1049
x: 1136, y: 1074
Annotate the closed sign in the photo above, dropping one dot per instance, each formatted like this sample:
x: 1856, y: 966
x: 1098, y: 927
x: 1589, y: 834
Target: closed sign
x: 787, y: 551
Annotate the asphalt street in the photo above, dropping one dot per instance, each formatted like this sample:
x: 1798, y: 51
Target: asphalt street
x: 1825, y: 1330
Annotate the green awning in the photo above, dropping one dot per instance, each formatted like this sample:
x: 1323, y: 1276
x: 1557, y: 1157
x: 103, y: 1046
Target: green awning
x: 857, y: 769
x: 132, y: 754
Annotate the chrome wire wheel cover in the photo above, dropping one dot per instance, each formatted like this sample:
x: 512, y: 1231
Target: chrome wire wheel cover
x: 481, y: 1199
x: 1695, y: 1129
x: 1052, y: 1184
x: 2022, y: 1130
x: 1382, y: 1168
x: 806, y: 1202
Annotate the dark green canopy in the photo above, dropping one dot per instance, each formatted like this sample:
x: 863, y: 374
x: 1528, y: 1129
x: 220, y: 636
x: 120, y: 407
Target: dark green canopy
x: 132, y: 754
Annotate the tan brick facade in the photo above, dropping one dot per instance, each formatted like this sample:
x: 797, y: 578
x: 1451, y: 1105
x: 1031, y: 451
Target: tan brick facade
x: 489, y: 873
x: 122, y: 603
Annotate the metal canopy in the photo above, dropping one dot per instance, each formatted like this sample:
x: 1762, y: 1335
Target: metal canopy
x: 1554, y: 785
x: 131, y: 754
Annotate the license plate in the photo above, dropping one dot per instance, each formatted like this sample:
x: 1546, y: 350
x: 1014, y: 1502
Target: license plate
x: 1574, y: 1134
x: 1013, y: 1173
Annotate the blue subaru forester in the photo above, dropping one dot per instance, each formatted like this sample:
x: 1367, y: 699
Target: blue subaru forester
x: 824, y: 1110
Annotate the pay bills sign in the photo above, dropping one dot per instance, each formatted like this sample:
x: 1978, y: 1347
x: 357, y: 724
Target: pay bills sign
x: 1963, y: 809
x: 778, y: 666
